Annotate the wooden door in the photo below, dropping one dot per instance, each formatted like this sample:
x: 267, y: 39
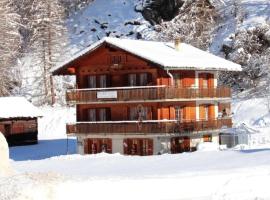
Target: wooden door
x: 138, y: 146
x: 180, y: 144
x: 98, y: 145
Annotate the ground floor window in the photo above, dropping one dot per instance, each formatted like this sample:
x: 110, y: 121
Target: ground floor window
x: 180, y: 144
x: 97, y: 145
x: 138, y: 146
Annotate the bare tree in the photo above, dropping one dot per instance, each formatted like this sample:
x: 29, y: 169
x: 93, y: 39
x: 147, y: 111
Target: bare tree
x: 194, y: 24
x: 9, y: 46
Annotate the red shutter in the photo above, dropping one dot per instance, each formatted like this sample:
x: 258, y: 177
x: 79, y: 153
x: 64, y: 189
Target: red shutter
x: 150, y: 147
x: 86, y: 146
x: 109, y: 145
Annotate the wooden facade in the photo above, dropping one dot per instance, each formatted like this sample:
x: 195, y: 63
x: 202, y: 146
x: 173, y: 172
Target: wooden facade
x: 120, y: 94
x: 20, y: 131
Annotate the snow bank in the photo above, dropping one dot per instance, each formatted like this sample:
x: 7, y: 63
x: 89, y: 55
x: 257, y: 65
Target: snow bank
x: 207, y: 146
x: 5, y: 168
x: 229, y: 174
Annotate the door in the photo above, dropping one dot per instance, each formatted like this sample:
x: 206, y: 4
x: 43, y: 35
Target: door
x: 98, y: 145
x: 138, y: 146
x: 180, y: 144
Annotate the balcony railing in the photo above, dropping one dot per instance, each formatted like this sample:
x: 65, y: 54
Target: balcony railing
x: 146, y: 93
x: 146, y: 127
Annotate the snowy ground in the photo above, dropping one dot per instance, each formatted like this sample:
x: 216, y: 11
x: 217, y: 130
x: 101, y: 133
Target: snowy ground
x: 43, y: 171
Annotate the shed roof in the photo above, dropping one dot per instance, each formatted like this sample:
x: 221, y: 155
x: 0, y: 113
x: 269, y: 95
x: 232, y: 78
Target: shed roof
x: 163, y: 54
x: 17, y: 107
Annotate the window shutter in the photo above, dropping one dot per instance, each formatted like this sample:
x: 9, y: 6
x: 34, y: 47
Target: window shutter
x: 125, y: 146
x: 150, y: 147
x: 86, y: 146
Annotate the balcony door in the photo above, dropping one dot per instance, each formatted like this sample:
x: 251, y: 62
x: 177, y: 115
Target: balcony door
x: 180, y: 144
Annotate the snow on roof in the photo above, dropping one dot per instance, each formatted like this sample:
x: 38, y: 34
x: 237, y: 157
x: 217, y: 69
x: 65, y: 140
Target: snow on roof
x: 17, y: 107
x: 164, y: 55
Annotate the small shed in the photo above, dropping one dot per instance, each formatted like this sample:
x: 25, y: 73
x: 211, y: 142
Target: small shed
x: 19, y: 121
x: 238, y: 135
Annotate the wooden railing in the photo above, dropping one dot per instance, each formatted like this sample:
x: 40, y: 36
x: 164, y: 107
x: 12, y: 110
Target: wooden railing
x: 146, y: 127
x: 143, y: 94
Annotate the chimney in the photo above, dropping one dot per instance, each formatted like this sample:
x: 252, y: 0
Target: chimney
x: 177, y: 43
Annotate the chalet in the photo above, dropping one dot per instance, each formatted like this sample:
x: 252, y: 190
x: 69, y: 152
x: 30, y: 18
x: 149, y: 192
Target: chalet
x: 145, y: 97
x: 19, y: 121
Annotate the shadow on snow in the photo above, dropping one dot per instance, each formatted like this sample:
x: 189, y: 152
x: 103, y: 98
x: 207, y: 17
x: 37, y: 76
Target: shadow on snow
x: 44, y: 149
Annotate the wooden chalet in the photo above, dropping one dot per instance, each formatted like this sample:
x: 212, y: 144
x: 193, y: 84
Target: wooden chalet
x: 144, y: 97
x: 19, y: 121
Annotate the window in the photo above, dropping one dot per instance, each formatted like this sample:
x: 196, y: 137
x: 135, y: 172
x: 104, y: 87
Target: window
x: 102, y: 81
x: 142, y: 113
x: 177, y: 80
x: 117, y: 59
x: 143, y: 79
x: 138, y: 113
x: 102, y: 114
x: 132, y: 80
x: 205, y: 82
x: 133, y: 113
x: 179, y: 113
x: 92, y: 115
x: 91, y: 81
x: 206, y: 107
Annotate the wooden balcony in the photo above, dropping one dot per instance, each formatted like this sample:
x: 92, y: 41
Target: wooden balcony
x: 147, y: 93
x: 146, y: 127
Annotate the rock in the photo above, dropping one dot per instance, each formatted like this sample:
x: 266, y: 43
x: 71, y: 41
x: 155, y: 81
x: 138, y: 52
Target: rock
x: 156, y: 11
x: 267, y: 36
x: 5, y: 168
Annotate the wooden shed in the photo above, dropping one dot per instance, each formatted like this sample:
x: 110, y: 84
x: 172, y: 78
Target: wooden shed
x: 19, y: 121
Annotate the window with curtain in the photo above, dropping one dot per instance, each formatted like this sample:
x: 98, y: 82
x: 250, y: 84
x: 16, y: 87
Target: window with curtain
x: 132, y: 81
x: 102, y: 81
x: 143, y: 79
x: 92, y: 81
x: 92, y: 115
x: 102, y: 114
x: 179, y: 113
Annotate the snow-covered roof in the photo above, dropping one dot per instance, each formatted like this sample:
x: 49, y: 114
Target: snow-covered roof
x: 163, y: 54
x: 17, y: 107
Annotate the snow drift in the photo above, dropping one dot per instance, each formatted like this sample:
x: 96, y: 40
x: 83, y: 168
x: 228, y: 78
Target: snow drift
x: 5, y: 168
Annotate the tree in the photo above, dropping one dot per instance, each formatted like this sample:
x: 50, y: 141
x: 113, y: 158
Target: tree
x: 9, y: 46
x: 194, y: 24
x: 45, y: 37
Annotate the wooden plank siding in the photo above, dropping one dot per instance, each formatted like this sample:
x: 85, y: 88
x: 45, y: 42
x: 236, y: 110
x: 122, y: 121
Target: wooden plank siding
x: 158, y: 127
x: 148, y: 94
